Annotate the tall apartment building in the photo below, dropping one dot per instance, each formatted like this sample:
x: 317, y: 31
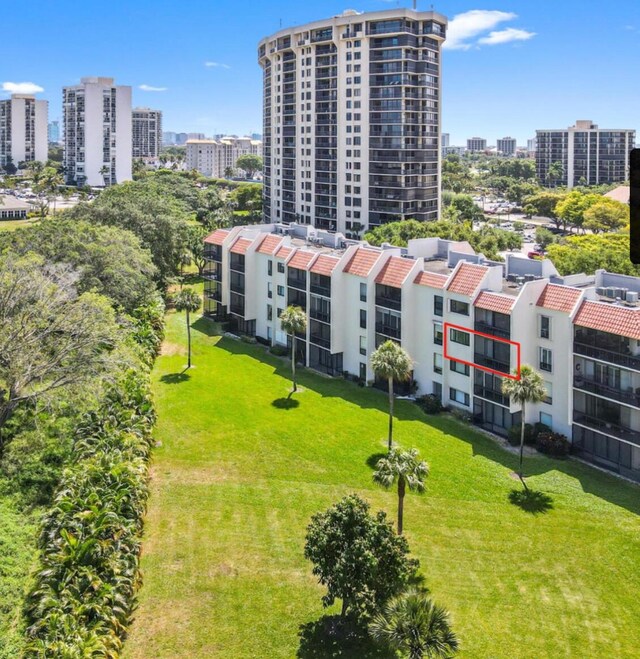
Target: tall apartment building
x: 475, y: 144
x: 214, y: 157
x: 506, y: 146
x: 352, y: 119
x: 23, y: 129
x: 97, y: 132
x: 168, y: 138
x: 464, y: 320
x: 53, y: 132
x: 587, y: 154
x: 146, y: 133
x: 445, y: 140
x: 532, y: 147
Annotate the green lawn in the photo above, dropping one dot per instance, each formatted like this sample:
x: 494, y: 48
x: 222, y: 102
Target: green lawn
x: 12, y: 225
x: 236, y: 479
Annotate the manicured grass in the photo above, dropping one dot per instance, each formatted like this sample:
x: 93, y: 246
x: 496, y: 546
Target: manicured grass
x: 238, y: 475
x: 12, y: 225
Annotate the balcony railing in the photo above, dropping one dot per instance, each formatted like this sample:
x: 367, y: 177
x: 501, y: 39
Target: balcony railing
x: 320, y: 341
x: 628, y: 396
x: 486, y: 328
x: 237, y: 309
x: 388, y: 302
x: 214, y: 295
x: 322, y: 316
x: 607, y: 427
x: 316, y: 289
x: 295, y: 282
x: 619, y: 358
x: 491, y: 394
x: 391, y: 331
x: 490, y: 362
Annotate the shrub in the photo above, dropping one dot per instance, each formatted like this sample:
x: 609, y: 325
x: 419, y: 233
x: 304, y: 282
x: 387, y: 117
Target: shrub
x: 514, y: 435
x: 538, y: 428
x: 248, y: 339
x: 461, y: 415
x: 278, y: 350
x: 430, y: 404
x: 554, y: 444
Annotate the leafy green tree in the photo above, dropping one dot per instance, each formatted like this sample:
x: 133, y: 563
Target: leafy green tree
x: 293, y: 321
x: 545, y: 204
x: 188, y: 300
x: 413, y: 625
x: 358, y: 557
x: 555, y: 173
x: 195, y: 246
x: 250, y: 163
x: 544, y: 237
x: 518, y: 190
x: 572, y: 207
x: 606, y: 215
x: 404, y: 469
x: 391, y: 362
x: 528, y: 388
x: 529, y: 210
x: 589, y: 253
x: 468, y: 210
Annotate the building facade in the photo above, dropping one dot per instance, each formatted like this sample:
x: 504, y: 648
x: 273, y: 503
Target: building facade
x: 445, y: 140
x: 53, y: 132
x: 465, y: 321
x: 23, y: 129
x: 215, y: 157
x: 506, y: 146
x: 352, y: 119
x: 97, y: 132
x: 146, y: 133
x: 584, y: 153
x: 476, y: 144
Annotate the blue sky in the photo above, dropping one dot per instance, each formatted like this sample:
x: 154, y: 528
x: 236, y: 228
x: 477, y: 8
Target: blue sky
x: 511, y: 66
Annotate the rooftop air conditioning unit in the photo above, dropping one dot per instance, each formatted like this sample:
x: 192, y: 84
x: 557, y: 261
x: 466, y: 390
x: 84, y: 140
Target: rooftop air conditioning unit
x: 529, y: 277
x: 520, y: 281
x: 632, y: 297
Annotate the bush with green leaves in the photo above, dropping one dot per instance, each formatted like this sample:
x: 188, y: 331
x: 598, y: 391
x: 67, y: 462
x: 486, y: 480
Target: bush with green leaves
x: 430, y: 404
x: 513, y: 435
x: 554, y: 444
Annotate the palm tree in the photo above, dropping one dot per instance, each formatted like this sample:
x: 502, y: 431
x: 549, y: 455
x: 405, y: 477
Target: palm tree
x: 391, y: 362
x: 188, y: 300
x: 104, y: 170
x: 404, y: 468
x: 414, y: 625
x: 555, y: 172
x: 293, y: 321
x: 528, y: 388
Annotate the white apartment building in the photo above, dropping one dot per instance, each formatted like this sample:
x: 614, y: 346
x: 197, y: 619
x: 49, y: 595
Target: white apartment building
x: 23, y: 129
x: 352, y: 119
x: 587, y: 155
x: 465, y: 321
x: 213, y: 157
x: 475, y: 144
x: 532, y: 146
x: 506, y: 146
x: 146, y: 133
x: 97, y: 129
x: 445, y: 140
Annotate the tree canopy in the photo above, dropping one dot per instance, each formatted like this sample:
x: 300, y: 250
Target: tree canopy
x: 593, y: 252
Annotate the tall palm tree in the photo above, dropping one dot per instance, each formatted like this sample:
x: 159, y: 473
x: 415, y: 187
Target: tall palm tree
x: 188, y: 300
x: 555, y: 172
x: 405, y: 469
x: 104, y: 170
x: 529, y: 388
x: 414, y: 625
x: 293, y: 321
x: 391, y: 362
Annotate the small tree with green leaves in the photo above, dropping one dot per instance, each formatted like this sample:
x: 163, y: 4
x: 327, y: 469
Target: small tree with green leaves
x: 391, y: 362
x: 528, y: 388
x: 188, y: 300
x: 413, y: 625
x: 293, y: 321
x: 404, y: 468
x: 250, y: 163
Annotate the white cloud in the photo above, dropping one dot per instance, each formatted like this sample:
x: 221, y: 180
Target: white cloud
x: 218, y: 65
x: 464, y: 27
x: 21, y: 87
x: 149, y: 88
x: 505, y: 36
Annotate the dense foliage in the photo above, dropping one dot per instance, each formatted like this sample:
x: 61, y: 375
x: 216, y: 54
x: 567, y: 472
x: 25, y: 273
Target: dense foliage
x: 593, y: 252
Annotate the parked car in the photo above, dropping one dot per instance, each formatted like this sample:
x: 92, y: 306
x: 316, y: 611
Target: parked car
x: 535, y: 255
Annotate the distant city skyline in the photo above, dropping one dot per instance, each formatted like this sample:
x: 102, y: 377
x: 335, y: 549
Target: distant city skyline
x: 507, y: 70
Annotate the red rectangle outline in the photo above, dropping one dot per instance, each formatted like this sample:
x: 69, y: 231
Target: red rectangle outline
x: 486, y: 336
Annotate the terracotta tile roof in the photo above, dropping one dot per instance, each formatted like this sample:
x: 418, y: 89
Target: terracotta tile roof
x: 559, y: 298
x: 217, y: 237
x: 431, y: 279
x: 610, y: 318
x: 324, y: 265
x: 467, y: 278
x: 395, y: 271
x: 283, y: 252
x: 269, y: 244
x: 362, y: 262
x: 494, y: 302
x: 240, y: 246
x: 301, y: 260
x: 622, y: 194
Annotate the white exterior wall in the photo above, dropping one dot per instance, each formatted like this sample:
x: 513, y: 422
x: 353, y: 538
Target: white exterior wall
x: 23, y: 129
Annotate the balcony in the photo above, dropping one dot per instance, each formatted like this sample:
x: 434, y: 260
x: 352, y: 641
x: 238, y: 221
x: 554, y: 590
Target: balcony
x: 607, y: 427
x: 322, y: 316
x: 487, y: 328
x: 214, y: 295
x: 490, y: 362
x: 387, y: 302
x: 491, y: 394
x: 320, y: 341
x: 237, y: 309
x: 392, y: 331
x: 630, y: 397
x: 621, y: 359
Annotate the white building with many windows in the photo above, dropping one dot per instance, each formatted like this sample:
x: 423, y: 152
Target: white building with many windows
x: 23, y: 129
x: 352, y: 119
x: 214, y: 157
x: 506, y: 146
x: 146, y: 133
x: 97, y: 129
x: 466, y: 322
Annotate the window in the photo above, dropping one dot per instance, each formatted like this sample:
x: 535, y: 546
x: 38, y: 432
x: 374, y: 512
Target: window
x: 363, y: 318
x: 437, y: 334
x: 459, y: 307
x: 269, y: 312
x: 281, y: 290
x: 437, y: 362
x: 457, y: 336
x: 363, y: 371
x: 363, y: 292
x: 269, y: 290
x: 547, y: 419
x: 280, y: 267
x: 546, y: 360
x: 437, y: 305
x: 459, y: 396
x: 363, y: 345
x: 545, y: 327
x: 458, y: 367
x: 549, y: 387
x: 437, y: 390
x: 269, y: 268
x: 280, y: 312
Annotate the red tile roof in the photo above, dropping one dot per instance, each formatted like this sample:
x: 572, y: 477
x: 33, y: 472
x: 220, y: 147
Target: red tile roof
x: 431, y: 279
x: 467, y: 278
x: 559, y: 298
x: 395, y: 271
x: 269, y: 244
x: 494, y: 302
x: 240, y: 246
x: 609, y: 318
x: 217, y: 237
x: 301, y: 260
x: 283, y: 252
x: 362, y: 262
x: 324, y: 265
